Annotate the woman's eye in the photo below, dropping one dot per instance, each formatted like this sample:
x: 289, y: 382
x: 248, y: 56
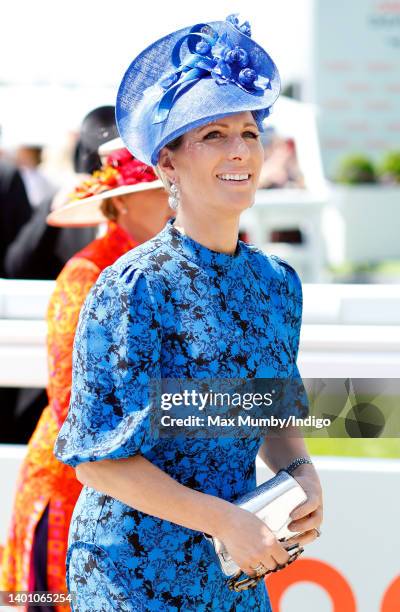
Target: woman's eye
x: 213, y: 134
x: 217, y: 134
x: 250, y: 134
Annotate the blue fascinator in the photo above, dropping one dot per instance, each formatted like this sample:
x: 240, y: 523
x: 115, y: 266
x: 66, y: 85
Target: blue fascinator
x: 189, y: 78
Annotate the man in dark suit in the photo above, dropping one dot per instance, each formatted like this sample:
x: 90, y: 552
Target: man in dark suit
x: 15, y: 209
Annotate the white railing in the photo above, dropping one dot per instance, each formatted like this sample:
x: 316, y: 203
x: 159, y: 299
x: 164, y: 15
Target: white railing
x: 332, y: 304
x: 348, y: 331
x: 326, y: 351
x: 24, y: 299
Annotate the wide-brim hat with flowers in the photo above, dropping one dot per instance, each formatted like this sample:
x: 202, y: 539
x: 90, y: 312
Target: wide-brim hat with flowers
x: 189, y: 78
x: 119, y: 175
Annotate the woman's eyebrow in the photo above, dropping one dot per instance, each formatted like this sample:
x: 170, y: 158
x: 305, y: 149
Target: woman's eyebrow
x: 224, y: 125
x: 211, y: 125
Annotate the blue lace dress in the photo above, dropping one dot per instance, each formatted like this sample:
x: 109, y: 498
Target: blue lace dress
x: 170, y: 308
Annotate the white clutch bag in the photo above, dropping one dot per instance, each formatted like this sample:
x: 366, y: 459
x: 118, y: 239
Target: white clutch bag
x: 272, y: 502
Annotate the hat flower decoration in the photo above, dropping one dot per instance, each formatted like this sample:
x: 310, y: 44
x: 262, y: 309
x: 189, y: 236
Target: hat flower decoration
x: 120, y: 174
x: 189, y: 78
x: 214, y: 55
x: 120, y: 169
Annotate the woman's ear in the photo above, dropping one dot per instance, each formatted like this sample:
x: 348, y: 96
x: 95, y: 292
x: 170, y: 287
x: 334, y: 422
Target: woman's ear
x: 119, y: 204
x: 166, y: 164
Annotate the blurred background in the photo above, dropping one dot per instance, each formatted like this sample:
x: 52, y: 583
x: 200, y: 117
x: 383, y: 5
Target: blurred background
x: 328, y: 203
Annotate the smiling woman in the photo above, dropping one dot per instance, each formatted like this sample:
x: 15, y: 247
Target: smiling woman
x: 192, y: 303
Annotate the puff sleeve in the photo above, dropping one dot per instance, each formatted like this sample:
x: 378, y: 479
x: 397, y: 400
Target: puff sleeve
x: 116, y: 356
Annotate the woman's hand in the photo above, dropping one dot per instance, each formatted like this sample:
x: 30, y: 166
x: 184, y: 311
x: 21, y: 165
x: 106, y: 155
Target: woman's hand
x: 250, y: 542
x: 307, y: 517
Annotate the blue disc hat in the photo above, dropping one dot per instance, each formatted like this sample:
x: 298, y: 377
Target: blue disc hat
x: 189, y: 78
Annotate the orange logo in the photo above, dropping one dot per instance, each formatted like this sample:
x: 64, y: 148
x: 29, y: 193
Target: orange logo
x: 320, y: 573
x: 391, y: 599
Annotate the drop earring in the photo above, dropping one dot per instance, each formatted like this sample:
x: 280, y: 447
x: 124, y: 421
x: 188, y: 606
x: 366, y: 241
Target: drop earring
x: 173, y: 198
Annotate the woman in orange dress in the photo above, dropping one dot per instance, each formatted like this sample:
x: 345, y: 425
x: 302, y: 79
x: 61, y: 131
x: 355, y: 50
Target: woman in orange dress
x: 127, y: 194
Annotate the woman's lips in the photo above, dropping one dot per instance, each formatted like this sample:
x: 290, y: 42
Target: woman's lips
x: 236, y: 178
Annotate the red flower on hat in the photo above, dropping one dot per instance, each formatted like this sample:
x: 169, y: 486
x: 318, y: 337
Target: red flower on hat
x: 120, y: 168
x: 119, y: 158
x: 130, y: 174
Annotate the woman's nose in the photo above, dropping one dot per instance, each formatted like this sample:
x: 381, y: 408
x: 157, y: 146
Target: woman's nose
x: 238, y: 148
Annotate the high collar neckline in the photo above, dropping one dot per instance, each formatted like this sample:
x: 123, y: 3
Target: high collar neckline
x: 200, y: 254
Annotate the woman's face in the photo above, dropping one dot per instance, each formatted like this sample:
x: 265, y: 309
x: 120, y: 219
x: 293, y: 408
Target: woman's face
x: 217, y: 166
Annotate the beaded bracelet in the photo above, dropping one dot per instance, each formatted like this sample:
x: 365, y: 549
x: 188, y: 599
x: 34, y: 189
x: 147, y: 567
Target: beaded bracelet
x: 296, y: 463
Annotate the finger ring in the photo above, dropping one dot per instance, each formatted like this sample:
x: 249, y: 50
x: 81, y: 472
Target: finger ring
x: 259, y: 569
x: 318, y: 531
x: 292, y: 550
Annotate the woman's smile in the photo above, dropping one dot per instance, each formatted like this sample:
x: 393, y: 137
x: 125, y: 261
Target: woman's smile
x: 236, y: 179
